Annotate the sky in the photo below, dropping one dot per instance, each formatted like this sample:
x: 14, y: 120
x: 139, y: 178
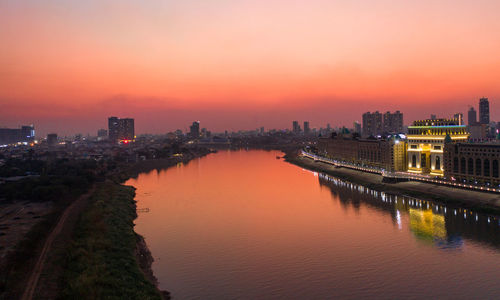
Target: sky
x: 67, y: 65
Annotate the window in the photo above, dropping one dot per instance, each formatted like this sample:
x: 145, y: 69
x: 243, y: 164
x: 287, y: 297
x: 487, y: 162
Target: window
x: 414, y: 161
x: 438, y: 163
x: 486, y: 168
x: 455, y: 164
x: 462, y: 165
x: 470, y: 166
x: 414, y: 146
x: 478, y: 167
x: 422, y: 160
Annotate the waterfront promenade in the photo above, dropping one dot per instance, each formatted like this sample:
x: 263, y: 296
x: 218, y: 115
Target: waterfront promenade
x: 400, y: 175
x: 474, y: 199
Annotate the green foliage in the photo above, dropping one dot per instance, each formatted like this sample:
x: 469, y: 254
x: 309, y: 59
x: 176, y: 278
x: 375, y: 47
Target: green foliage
x: 101, y: 262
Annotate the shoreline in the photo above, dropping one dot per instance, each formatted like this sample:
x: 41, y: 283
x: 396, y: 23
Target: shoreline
x: 143, y: 254
x: 483, y: 202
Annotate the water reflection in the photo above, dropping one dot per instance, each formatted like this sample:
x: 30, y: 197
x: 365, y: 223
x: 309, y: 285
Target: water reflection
x: 442, y: 226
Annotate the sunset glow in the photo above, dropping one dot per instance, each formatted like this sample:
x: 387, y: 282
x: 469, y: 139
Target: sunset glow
x: 242, y: 64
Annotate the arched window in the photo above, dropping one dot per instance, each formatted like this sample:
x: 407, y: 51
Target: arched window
x: 462, y: 165
x: 455, y: 164
x: 414, y: 161
x: 470, y: 166
x: 438, y: 163
x: 486, y: 168
x: 478, y: 167
x: 495, y: 168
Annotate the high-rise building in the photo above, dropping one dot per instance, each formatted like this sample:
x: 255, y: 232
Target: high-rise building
x: 372, y: 123
x: 484, y: 111
x: 121, y: 129
x: 194, y: 130
x: 459, y: 117
x: 307, y: 129
x: 52, y: 139
x: 25, y: 134
x: 357, y: 127
x: 471, y: 116
x: 393, y: 122
x: 296, y: 127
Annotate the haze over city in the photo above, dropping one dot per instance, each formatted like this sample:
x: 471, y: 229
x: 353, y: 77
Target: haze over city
x: 68, y: 65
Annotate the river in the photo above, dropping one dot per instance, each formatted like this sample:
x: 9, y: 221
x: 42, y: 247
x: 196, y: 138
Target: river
x: 245, y: 225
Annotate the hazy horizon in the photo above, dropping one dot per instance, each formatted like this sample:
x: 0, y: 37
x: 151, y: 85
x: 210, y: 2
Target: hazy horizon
x: 68, y: 65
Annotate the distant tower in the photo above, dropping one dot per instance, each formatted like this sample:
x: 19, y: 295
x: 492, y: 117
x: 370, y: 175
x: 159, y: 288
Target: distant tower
x: 307, y: 129
x: 472, y: 116
x: 484, y: 111
x: 194, y: 130
x: 296, y: 127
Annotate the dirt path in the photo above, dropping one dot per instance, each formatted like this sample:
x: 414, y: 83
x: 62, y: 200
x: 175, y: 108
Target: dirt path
x: 71, y: 210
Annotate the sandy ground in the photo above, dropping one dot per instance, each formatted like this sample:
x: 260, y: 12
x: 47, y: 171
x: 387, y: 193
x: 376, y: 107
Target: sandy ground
x: 414, y: 188
x: 16, y: 219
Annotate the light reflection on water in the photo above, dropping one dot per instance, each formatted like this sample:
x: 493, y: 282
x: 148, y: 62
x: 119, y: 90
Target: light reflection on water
x: 244, y: 225
x: 437, y: 224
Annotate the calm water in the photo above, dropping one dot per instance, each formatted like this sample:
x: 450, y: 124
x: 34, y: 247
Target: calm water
x: 245, y: 225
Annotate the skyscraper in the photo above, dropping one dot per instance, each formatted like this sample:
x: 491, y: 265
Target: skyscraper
x: 194, y: 130
x: 484, y: 111
x: 471, y: 116
x: 393, y: 122
x: 121, y: 129
x: 296, y: 127
x: 372, y: 123
x: 307, y: 129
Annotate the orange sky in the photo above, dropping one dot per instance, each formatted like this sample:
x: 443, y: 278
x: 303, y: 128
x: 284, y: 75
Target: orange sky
x: 242, y: 64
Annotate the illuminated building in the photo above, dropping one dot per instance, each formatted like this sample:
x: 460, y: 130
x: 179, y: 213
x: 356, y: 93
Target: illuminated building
x: 121, y: 129
x: 387, y: 154
x: 25, y: 134
x: 473, y: 163
x: 426, y: 140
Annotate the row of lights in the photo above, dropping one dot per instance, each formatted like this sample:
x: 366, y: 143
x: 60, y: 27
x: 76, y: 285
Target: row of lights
x: 405, y: 175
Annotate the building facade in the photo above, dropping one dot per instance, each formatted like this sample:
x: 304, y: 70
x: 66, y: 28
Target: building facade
x: 296, y: 127
x: 121, y: 129
x: 471, y: 116
x: 307, y: 129
x: 393, y: 122
x: 194, y: 130
x: 372, y: 123
x: 426, y: 140
x: 25, y: 134
x: 384, y: 154
x: 484, y: 111
x: 473, y: 163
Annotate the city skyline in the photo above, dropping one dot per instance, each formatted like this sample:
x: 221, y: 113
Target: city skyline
x: 163, y: 64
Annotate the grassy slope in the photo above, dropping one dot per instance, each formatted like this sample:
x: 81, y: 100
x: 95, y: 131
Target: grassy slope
x: 101, y: 263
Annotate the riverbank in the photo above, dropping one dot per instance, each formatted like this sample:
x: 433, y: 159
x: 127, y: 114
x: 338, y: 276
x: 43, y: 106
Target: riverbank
x: 101, y: 260
x: 477, y: 201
